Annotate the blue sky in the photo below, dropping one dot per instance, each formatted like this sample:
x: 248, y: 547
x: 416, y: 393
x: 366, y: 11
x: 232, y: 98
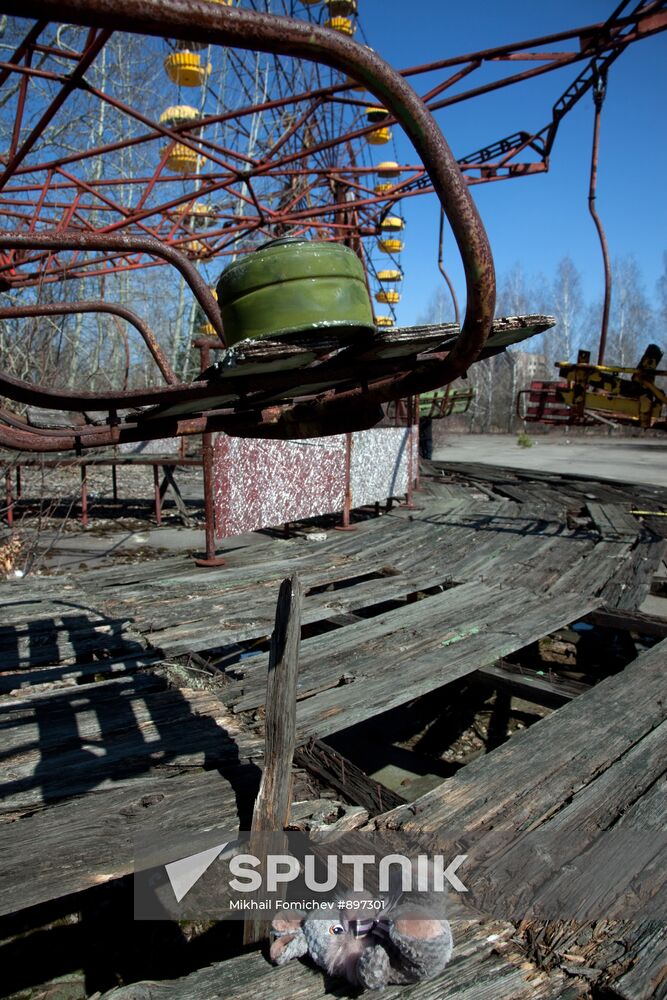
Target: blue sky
x: 536, y: 220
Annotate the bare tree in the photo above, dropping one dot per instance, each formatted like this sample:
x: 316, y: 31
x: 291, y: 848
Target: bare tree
x: 567, y: 305
x: 661, y: 312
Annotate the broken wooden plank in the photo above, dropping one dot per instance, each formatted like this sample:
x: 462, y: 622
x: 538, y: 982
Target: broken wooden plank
x: 272, y: 807
x: 612, y: 520
x: 82, y: 843
x: 340, y: 773
x: 645, y: 975
x: 542, y: 690
x: 485, y: 966
x: 629, y: 621
x: 553, y: 795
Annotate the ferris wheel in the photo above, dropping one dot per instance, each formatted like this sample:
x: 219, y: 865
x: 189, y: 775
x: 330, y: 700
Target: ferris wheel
x: 133, y: 143
x: 212, y: 150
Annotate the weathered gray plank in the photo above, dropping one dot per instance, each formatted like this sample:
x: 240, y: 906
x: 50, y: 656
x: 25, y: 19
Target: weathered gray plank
x: 272, y: 807
x: 541, y: 768
x: 173, y: 729
x: 612, y: 520
x: 78, y: 844
x: 484, y: 967
x: 549, y: 796
x: 435, y: 658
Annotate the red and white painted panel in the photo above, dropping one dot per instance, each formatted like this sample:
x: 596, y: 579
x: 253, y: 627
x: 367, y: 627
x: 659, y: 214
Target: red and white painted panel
x: 259, y: 484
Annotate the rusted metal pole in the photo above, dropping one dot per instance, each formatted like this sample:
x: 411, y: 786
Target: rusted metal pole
x: 210, y: 560
x: 97, y: 306
x: 416, y: 445
x: 84, y: 495
x: 157, y: 495
x: 347, y: 500
x: 114, y: 482
x: 598, y: 97
x: 408, y: 504
x: 9, y: 498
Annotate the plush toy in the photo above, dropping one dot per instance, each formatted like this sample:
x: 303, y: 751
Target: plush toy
x: 368, y: 953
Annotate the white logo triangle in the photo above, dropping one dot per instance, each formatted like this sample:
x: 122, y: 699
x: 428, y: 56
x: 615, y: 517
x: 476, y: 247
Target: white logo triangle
x: 184, y: 873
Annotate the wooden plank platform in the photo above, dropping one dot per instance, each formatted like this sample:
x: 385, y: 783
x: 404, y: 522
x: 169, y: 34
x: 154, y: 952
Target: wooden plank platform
x: 96, y: 746
x: 548, y: 820
x: 485, y: 966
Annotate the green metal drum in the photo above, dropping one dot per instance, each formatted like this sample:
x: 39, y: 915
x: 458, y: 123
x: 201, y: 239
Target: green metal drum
x: 295, y: 288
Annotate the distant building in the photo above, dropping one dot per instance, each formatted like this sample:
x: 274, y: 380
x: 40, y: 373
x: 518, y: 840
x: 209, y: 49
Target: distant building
x: 530, y: 367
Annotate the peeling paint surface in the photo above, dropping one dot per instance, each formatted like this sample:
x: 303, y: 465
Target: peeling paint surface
x: 379, y: 464
x: 261, y: 484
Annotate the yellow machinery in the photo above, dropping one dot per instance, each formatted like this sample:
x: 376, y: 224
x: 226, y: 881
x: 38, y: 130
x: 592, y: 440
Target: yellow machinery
x: 587, y: 394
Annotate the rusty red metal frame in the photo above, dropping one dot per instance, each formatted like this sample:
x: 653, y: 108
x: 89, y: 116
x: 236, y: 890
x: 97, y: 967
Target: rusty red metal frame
x: 598, y: 97
x: 497, y: 161
x: 84, y: 242
x: 199, y: 21
x: 246, y: 29
x: 97, y: 306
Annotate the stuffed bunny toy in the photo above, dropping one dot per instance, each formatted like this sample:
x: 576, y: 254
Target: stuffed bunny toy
x: 368, y: 953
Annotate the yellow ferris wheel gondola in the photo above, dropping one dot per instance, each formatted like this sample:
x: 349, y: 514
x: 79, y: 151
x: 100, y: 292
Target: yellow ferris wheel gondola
x: 383, y: 321
x: 179, y: 114
x: 343, y: 25
x: 186, y: 68
x: 390, y: 245
x: 390, y: 296
x: 376, y: 114
x: 390, y: 274
x: 379, y: 136
x: 196, y: 215
x: 343, y: 7
x: 183, y: 160
x: 388, y: 168
x: 392, y: 224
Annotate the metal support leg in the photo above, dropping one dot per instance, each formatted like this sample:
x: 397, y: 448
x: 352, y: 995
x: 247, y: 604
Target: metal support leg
x: 210, y: 560
x: 408, y: 505
x: 9, y: 498
x: 84, y: 495
x: 158, y: 495
x: 347, y: 503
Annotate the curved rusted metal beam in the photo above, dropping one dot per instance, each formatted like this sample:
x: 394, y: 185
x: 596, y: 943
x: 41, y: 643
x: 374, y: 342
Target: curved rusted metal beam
x: 441, y: 266
x: 97, y: 306
x: 598, y: 97
x: 199, y: 20
x: 75, y: 240
x: 298, y: 421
